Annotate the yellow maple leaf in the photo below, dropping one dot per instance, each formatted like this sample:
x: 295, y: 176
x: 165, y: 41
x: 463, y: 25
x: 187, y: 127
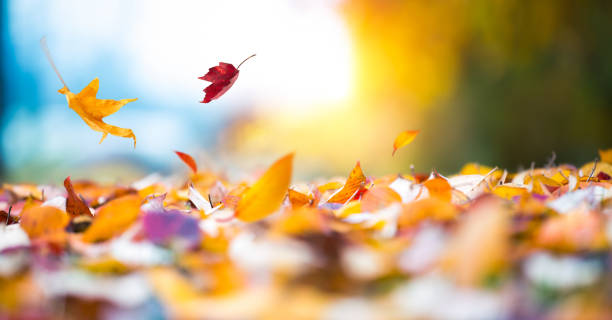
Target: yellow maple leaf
x: 91, y: 109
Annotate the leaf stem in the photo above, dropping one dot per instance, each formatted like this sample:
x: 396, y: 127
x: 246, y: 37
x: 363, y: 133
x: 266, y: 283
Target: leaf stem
x: 243, y: 61
x: 43, y: 45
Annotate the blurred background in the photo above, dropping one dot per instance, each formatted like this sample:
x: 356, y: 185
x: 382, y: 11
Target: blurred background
x: 496, y: 82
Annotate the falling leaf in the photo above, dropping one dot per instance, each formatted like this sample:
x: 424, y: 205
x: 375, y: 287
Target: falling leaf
x: 38, y: 221
x: 91, y: 109
x: 222, y: 77
x: 353, y: 185
x: 267, y: 194
x: 75, y: 206
x: 403, y: 139
x: 188, y: 160
x: 113, y: 218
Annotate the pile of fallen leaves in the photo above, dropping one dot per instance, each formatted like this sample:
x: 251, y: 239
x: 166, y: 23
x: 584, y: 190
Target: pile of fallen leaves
x: 483, y: 244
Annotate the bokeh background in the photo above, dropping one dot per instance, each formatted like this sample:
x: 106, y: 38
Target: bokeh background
x: 501, y: 83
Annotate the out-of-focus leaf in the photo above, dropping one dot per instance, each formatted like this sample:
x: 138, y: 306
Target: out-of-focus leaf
x: 604, y: 167
x: 266, y: 195
x: 509, y: 191
x: 606, y: 155
x: 301, y: 221
x: 354, y: 184
x: 468, y: 258
x: 75, y: 206
x: 164, y: 227
x: 113, y: 218
x: 379, y: 197
x: 298, y: 199
x: 403, y: 139
x: 188, y: 160
x: 439, y: 188
x: 38, y: 221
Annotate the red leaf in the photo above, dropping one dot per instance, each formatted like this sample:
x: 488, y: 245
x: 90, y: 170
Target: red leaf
x: 222, y: 77
x: 75, y: 206
x: 188, y: 160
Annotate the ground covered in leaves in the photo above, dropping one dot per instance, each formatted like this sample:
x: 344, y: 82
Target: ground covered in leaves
x: 482, y: 244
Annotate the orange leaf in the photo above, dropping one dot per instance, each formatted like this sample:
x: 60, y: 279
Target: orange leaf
x: 113, y: 218
x: 509, y: 192
x: 379, y: 197
x: 90, y: 108
x: 606, y: 155
x: 267, y: 194
x: 301, y: 221
x: 298, y: 199
x: 75, y: 206
x: 403, y: 139
x: 188, y: 160
x: 439, y: 188
x: 40, y: 221
x: 354, y: 183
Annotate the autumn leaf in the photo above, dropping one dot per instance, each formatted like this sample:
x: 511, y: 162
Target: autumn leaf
x: 39, y: 221
x: 606, y: 155
x: 222, y: 77
x: 379, y: 197
x: 298, y: 199
x: 75, y: 206
x: 439, y: 187
x: 353, y: 185
x: 188, y: 160
x: 113, y: 218
x: 403, y: 139
x: 267, y: 194
x: 91, y: 109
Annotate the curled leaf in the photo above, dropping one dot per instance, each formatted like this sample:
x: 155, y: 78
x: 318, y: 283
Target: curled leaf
x: 298, y: 199
x: 354, y: 184
x: 403, y: 139
x: 75, y: 206
x: 188, y: 160
x: 267, y: 194
x: 222, y: 77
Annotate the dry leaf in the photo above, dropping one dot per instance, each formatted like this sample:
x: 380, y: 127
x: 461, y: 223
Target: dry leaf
x: 606, y: 155
x: 188, y: 160
x: 267, y: 194
x: 113, y: 218
x: 91, y: 109
x: 40, y: 221
x: 298, y: 199
x: 403, y: 139
x: 75, y: 206
x: 379, y: 197
x: 439, y: 188
x: 353, y: 185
